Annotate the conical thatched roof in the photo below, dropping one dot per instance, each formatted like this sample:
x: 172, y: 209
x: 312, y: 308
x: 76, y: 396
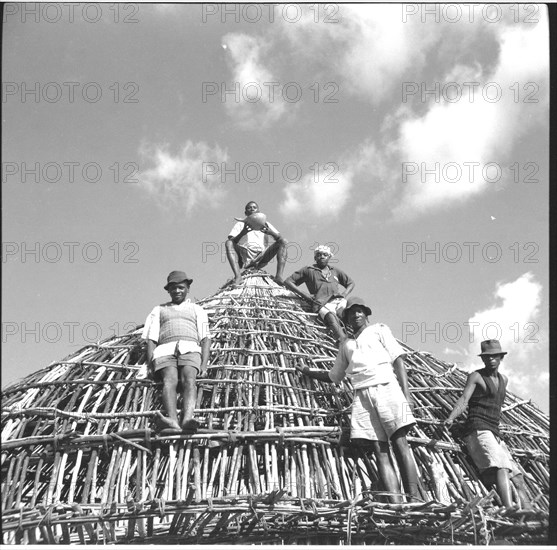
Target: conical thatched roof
x: 272, y: 462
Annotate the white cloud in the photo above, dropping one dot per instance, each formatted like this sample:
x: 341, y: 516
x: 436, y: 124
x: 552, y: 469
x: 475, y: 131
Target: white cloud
x: 317, y: 195
x: 513, y: 320
x: 366, y: 53
x: 370, y: 47
x: 464, y: 144
x: 183, y: 180
x: 381, y: 48
x: 370, y: 52
x: 473, y: 129
x: 252, y: 99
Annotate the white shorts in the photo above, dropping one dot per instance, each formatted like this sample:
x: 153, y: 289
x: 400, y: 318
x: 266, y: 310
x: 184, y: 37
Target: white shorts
x: 489, y: 451
x: 336, y: 306
x: 379, y: 411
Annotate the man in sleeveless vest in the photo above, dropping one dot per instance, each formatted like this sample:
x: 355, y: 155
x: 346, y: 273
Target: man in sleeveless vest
x: 251, y: 247
x: 323, y: 282
x: 178, y: 345
x: 382, y: 406
x: 484, y: 394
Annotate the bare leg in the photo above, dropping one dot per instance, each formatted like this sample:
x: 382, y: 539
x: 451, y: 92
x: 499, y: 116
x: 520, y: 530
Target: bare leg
x: 169, y: 397
x: 406, y: 464
x: 518, y: 481
x: 281, y: 260
x: 278, y: 249
x: 387, y: 473
x: 232, y: 256
x: 503, y: 486
x: 189, y: 394
x: 331, y: 320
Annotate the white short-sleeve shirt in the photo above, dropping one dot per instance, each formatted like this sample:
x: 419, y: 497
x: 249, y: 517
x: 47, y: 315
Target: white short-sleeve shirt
x: 254, y: 241
x: 368, y: 359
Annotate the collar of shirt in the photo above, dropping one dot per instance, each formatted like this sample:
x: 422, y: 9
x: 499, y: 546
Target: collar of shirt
x: 317, y: 268
x: 171, y: 303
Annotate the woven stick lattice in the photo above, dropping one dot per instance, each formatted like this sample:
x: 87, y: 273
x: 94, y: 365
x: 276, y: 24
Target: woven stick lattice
x: 272, y: 462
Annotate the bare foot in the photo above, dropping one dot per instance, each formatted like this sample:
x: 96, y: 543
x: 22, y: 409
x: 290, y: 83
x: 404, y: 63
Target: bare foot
x: 238, y: 281
x: 278, y: 279
x: 165, y: 422
x: 190, y: 426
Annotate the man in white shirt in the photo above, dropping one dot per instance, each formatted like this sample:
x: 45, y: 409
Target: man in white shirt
x: 382, y: 407
x: 178, y: 344
x: 248, y: 247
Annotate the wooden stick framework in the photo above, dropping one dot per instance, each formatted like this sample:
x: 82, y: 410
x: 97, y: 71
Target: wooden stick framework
x: 272, y: 462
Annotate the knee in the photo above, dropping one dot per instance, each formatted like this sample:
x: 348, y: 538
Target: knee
x: 229, y: 245
x: 282, y: 242
x: 379, y: 448
x: 518, y: 480
x: 188, y: 378
x: 399, y: 441
x: 169, y: 379
x: 331, y: 318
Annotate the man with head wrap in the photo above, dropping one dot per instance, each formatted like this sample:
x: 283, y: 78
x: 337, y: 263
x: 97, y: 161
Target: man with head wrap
x: 324, y: 284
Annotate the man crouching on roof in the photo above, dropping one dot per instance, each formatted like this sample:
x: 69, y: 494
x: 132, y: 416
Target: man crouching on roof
x: 178, y: 344
x: 328, y: 298
x: 249, y: 246
x: 382, y: 407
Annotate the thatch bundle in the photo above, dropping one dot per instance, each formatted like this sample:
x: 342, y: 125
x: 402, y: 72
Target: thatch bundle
x: 272, y: 462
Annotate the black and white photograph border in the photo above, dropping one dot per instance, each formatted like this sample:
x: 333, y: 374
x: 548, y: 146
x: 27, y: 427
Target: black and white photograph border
x: 275, y: 274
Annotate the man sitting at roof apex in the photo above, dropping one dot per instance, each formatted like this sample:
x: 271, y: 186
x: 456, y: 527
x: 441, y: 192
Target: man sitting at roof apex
x: 329, y: 299
x: 248, y: 244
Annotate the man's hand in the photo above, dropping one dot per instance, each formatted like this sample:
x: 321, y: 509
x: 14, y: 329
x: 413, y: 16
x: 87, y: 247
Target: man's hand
x: 303, y: 369
x: 268, y: 230
x: 202, y: 369
x: 449, y: 422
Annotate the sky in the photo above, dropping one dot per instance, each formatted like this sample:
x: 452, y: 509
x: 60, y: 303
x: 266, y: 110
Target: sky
x: 413, y: 139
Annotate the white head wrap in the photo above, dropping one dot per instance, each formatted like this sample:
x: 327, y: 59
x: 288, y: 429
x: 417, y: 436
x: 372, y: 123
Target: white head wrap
x: 323, y: 248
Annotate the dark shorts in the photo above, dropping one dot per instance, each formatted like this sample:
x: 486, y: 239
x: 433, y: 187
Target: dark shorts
x: 191, y: 360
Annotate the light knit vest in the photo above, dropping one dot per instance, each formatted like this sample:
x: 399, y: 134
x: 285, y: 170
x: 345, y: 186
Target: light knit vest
x: 178, y: 323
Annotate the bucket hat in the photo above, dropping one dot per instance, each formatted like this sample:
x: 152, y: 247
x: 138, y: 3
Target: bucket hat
x: 491, y: 347
x: 177, y: 277
x: 355, y: 301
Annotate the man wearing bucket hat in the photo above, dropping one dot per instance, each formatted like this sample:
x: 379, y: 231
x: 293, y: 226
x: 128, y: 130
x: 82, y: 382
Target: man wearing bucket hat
x: 248, y: 244
x: 323, y: 282
x: 484, y: 394
x: 178, y: 344
x: 382, y: 406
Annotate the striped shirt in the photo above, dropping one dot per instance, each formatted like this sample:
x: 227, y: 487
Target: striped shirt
x: 176, y: 328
